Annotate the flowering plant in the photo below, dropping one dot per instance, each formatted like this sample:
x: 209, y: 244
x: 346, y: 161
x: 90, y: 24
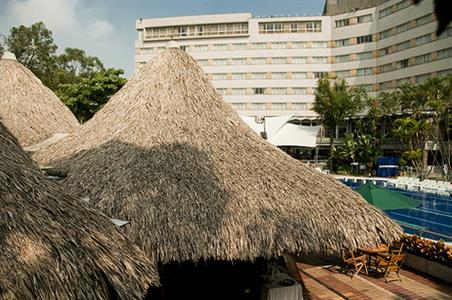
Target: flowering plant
x: 434, y: 250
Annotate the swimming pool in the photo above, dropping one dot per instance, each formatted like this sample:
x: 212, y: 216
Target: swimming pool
x: 431, y: 219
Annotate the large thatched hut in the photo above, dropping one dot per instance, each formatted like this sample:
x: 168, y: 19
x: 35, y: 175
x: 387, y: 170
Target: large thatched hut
x: 31, y: 111
x: 54, y: 247
x: 167, y: 153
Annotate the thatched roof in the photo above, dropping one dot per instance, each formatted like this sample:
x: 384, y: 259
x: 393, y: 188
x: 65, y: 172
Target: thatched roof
x: 30, y: 110
x: 169, y: 154
x: 54, y: 247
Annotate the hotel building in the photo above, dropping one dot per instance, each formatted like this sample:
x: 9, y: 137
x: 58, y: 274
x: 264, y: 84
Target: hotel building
x: 269, y: 65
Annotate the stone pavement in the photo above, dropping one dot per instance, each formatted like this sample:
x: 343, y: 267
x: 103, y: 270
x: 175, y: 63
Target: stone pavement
x: 321, y: 280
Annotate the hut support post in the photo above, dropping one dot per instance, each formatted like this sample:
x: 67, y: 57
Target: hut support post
x: 291, y: 265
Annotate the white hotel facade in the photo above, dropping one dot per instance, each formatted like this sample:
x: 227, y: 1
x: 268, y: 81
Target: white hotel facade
x: 269, y: 66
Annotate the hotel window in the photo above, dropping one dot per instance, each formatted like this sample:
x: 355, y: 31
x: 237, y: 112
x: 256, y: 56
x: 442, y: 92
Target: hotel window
x: 220, y: 62
x: 238, y: 61
x: 365, y: 18
x: 299, y: 60
x: 385, y: 34
x: 299, y: 75
x: 445, y: 72
x: 319, y: 45
x: 385, y: 12
x: 300, y: 45
x: 199, y: 29
x: 446, y: 33
x: 314, y: 26
x: 364, y: 72
x: 220, y: 47
x: 279, y: 106
x: 403, y: 81
x: 272, y: 27
x: 343, y: 42
x: 200, y: 48
x: 365, y: 55
x: 279, y: 60
x: 403, y: 27
x: 342, y: 58
x: 424, y: 20
x: 223, y: 91
x: 343, y: 74
x: 219, y: 76
x: 293, y: 27
x: 259, y: 46
x: 258, y: 75
x: 422, y: 77
x: 364, y: 39
x: 342, y: 23
x: 445, y: 53
x: 402, y: 63
x: 403, y: 45
x: 279, y: 45
x: 299, y: 106
x: 366, y: 87
x: 257, y: 106
x: 319, y: 59
x: 240, y: 91
x: 386, y: 68
x: 259, y: 91
x: 183, y: 30
x: 423, y: 39
x: 300, y: 91
x: 383, y: 51
x: 279, y: 91
x: 239, y: 106
x: 320, y: 74
x: 279, y: 75
x: 239, y: 46
x: 422, y: 59
x: 258, y: 61
x: 386, y: 85
x: 203, y: 62
x: 403, y: 4
x: 238, y: 76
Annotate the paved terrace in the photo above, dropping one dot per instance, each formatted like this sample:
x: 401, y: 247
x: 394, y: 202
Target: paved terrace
x: 321, y: 280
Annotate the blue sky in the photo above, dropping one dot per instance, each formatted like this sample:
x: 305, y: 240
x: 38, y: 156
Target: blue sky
x: 106, y: 28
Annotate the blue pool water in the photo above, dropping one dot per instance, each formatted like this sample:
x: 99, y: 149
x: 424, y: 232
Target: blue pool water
x: 431, y: 219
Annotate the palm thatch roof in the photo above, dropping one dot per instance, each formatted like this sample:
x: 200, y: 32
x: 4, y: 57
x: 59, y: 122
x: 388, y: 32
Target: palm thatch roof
x: 169, y: 154
x: 54, y: 247
x: 30, y: 110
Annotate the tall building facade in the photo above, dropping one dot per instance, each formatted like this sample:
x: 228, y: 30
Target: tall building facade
x: 269, y: 66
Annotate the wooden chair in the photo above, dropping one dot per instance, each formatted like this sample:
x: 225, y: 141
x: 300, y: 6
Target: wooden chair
x: 355, y: 264
x: 396, y: 248
x: 390, y: 263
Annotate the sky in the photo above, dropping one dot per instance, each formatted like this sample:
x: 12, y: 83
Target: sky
x: 106, y: 28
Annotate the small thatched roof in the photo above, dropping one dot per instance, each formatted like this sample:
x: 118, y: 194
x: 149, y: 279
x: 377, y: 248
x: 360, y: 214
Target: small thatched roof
x: 169, y: 154
x: 54, y: 247
x: 30, y: 110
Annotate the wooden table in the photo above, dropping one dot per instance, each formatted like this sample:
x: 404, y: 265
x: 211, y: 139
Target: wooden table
x: 373, y: 251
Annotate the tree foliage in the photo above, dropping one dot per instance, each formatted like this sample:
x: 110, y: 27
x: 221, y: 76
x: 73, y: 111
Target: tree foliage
x: 80, y: 80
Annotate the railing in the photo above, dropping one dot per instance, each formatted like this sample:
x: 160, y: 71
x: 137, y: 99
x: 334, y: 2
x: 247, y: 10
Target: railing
x: 424, y: 232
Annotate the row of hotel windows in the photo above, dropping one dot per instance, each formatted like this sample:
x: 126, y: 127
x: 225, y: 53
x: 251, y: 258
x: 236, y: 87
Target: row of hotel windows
x: 349, y: 41
x: 264, y: 60
x: 424, y: 39
x: 267, y: 91
x: 290, y: 27
x: 406, y: 26
x: 395, y: 8
x: 272, y: 106
x: 391, y: 84
x: 196, y: 30
x: 353, y: 21
x: 420, y: 59
x: 286, y: 75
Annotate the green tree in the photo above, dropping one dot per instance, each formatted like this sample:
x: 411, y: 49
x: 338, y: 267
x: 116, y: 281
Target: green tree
x: 86, y: 97
x: 35, y: 49
x: 334, y: 102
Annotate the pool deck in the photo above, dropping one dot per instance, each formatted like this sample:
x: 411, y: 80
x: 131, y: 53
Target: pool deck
x: 321, y: 280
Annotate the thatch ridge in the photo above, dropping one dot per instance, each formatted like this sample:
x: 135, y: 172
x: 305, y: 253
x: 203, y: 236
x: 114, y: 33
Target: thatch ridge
x: 168, y: 153
x: 52, y: 246
x: 30, y: 110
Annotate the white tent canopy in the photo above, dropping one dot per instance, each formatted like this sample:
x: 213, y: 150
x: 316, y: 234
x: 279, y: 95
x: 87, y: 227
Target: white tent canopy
x: 281, y: 133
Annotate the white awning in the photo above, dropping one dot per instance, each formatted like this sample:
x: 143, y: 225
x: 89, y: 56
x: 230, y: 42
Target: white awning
x: 296, y: 135
x: 251, y: 122
x: 274, y: 124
